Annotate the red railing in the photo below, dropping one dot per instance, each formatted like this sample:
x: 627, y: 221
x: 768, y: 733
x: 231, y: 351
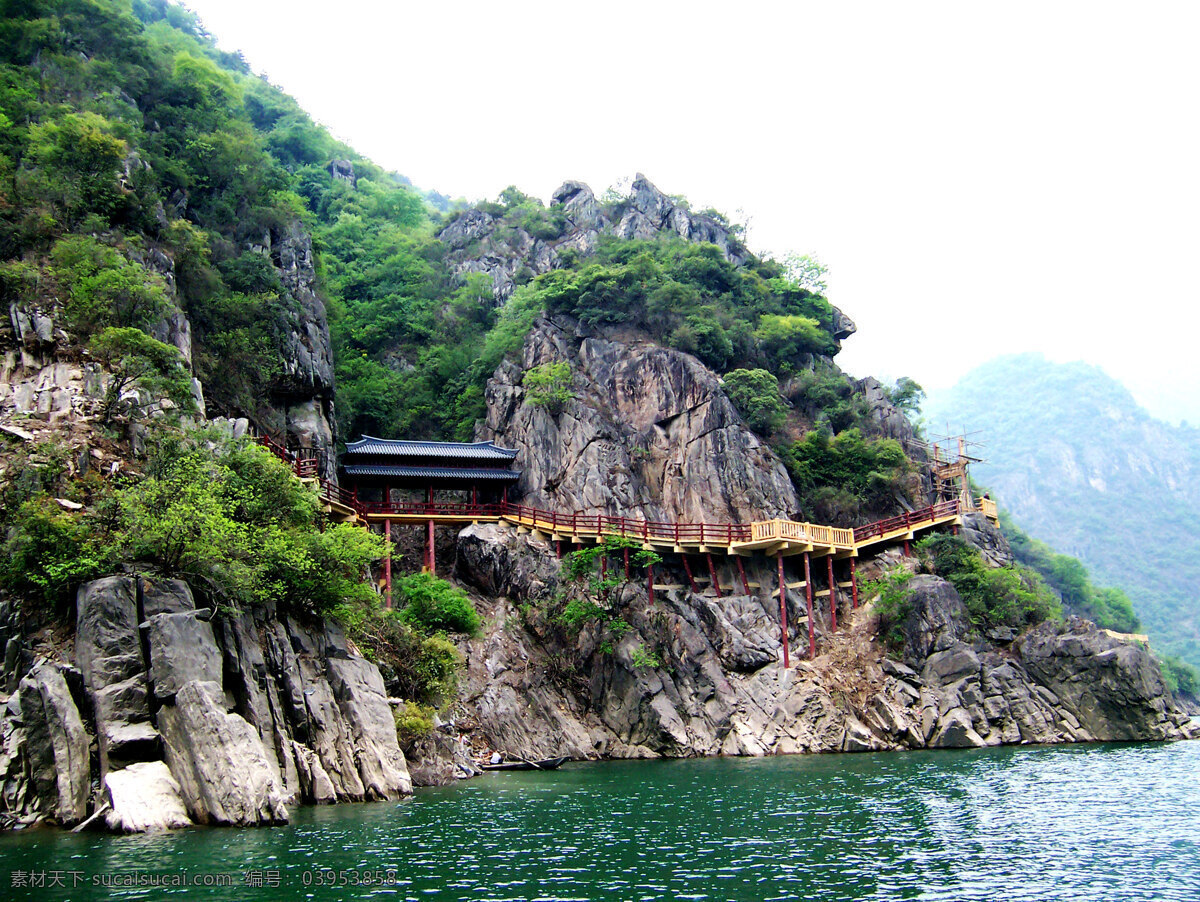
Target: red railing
x: 905, y: 520
x: 305, y: 463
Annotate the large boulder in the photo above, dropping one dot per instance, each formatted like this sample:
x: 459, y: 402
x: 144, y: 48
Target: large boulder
x: 182, y: 649
x: 57, y: 745
x: 936, y: 618
x: 360, y: 693
x: 144, y: 798
x: 108, y: 651
x: 218, y: 760
x: 1112, y: 687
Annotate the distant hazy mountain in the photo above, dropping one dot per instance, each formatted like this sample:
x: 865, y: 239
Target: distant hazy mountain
x: 1081, y: 466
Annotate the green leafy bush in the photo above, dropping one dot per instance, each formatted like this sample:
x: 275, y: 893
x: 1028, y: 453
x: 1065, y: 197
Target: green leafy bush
x: 548, y: 385
x: 755, y: 393
x: 837, y: 476
x: 413, y: 721
x: 893, y: 604
x: 994, y: 596
x: 433, y: 604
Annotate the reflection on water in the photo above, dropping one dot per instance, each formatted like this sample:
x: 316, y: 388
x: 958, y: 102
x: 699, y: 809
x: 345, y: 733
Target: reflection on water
x: 1082, y: 823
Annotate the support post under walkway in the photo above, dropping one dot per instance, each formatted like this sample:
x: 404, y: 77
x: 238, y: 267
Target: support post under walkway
x: 783, y: 613
x: 808, y: 595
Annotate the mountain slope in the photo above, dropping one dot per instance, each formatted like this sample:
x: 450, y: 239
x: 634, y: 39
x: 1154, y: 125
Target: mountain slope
x: 1081, y: 466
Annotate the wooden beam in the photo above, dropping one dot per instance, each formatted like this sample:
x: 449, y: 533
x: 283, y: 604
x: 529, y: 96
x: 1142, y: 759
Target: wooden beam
x: 783, y: 614
x: 712, y: 570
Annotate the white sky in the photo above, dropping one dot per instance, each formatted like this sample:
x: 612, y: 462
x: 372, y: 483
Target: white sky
x: 980, y: 179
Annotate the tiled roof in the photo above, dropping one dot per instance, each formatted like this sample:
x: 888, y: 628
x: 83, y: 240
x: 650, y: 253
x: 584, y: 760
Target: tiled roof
x: 401, y: 448
x: 431, y: 472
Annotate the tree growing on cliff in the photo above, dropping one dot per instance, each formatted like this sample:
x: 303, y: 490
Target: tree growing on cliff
x: 135, y: 360
x: 755, y: 393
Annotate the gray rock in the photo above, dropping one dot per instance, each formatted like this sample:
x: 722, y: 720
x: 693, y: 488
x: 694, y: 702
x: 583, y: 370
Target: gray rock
x: 166, y: 596
x: 108, y: 651
x: 57, y: 745
x: 144, y: 798
x: 955, y: 731
x: 943, y: 668
x: 218, y: 761
x: 182, y: 649
x: 1114, y: 689
x: 361, y: 695
x: 936, y: 618
x: 651, y: 435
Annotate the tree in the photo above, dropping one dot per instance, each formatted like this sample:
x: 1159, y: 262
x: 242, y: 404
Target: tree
x: 755, y: 393
x: 806, y: 271
x: 906, y: 395
x: 135, y: 360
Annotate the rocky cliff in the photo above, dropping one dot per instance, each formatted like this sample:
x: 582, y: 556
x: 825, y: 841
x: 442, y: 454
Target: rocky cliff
x: 45, y: 375
x: 158, y: 714
x: 649, y: 433
x: 713, y: 682
x: 480, y: 241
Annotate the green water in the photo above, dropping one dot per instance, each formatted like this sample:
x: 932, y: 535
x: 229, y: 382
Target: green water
x: 1078, y: 823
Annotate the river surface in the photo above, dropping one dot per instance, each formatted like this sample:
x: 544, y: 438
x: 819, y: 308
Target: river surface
x: 1099, y: 822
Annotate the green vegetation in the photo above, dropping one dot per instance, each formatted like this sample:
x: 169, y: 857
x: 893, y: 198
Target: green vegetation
x: 1108, y: 607
x: 893, y: 604
x: 135, y: 360
x: 1181, y: 678
x: 413, y: 722
x: 432, y: 604
x: 548, y: 385
x: 1124, y: 499
x: 840, y: 476
x: 235, y: 524
x: 994, y: 596
x: 755, y: 393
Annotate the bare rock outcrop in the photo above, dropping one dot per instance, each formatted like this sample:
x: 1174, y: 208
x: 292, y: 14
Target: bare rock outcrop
x: 650, y: 434
x: 700, y: 674
x: 198, y: 717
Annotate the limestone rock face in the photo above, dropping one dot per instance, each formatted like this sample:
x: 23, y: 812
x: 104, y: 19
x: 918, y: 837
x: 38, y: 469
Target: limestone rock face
x: 182, y: 649
x: 221, y: 722
x: 144, y: 798
x: 56, y: 745
x: 698, y: 674
x: 218, y: 760
x: 108, y: 650
x: 1113, y: 688
x: 649, y: 435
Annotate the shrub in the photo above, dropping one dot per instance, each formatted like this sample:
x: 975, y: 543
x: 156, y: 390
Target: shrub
x: 835, y: 475
x: 994, y: 596
x: 644, y: 657
x: 548, y: 385
x: 433, y: 604
x: 893, y: 604
x: 413, y: 721
x: 755, y: 393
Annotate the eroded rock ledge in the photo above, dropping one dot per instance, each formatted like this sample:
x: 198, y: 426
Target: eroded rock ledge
x: 170, y: 716
x: 721, y: 689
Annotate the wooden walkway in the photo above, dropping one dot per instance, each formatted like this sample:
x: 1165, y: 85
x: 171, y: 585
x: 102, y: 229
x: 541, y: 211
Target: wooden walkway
x: 773, y: 538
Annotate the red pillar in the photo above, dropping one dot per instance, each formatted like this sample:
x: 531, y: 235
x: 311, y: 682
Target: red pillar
x: 742, y: 574
x: 650, y: 582
x: 907, y: 549
x: 783, y: 614
x: 387, y: 564
x: 558, y: 548
x: 432, y: 551
x: 626, y: 563
x: 688, y: 570
x: 812, y: 636
x: 832, y: 595
x: 853, y: 585
x: 712, y: 572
